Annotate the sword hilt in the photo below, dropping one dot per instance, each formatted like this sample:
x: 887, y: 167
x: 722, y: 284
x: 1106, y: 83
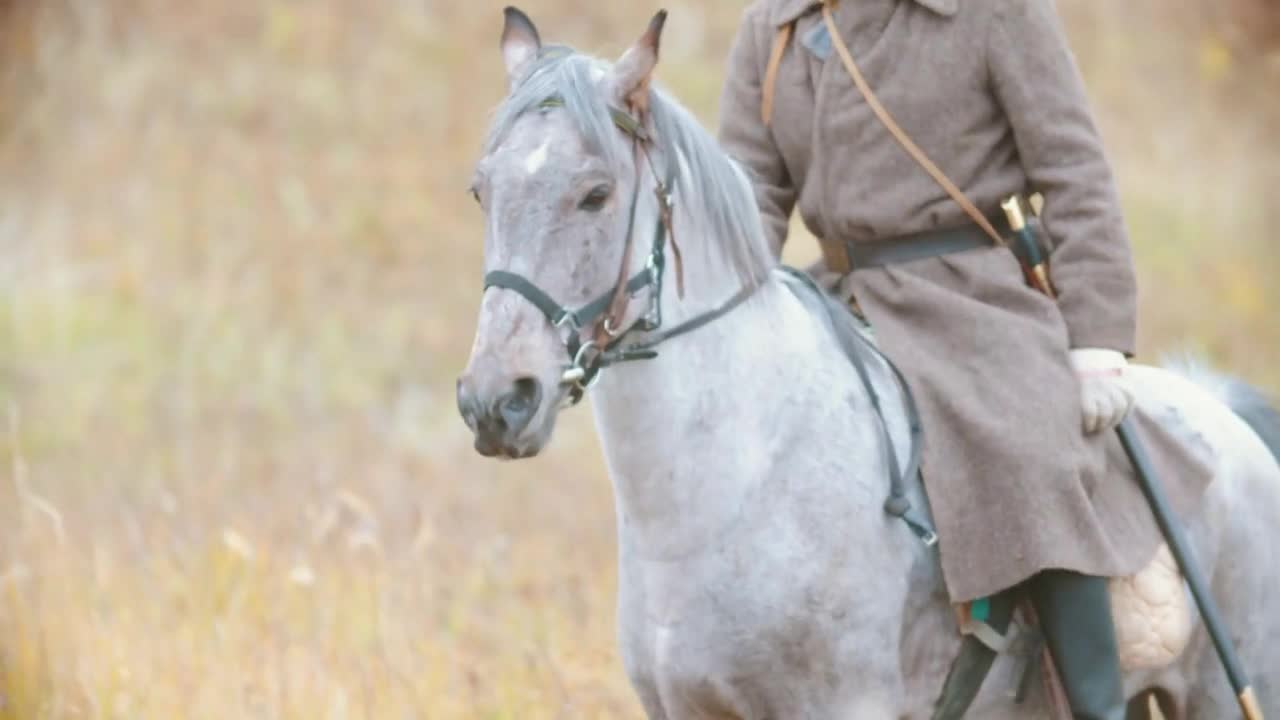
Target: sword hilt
x: 1033, y: 257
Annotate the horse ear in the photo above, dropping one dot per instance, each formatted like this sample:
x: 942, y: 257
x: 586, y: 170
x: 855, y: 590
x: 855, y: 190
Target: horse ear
x: 634, y: 70
x: 520, y: 42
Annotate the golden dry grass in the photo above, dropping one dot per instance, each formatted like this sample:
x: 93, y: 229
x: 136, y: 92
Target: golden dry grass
x: 239, y: 273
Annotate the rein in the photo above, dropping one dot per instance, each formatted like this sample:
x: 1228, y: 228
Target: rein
x: 606, y: 345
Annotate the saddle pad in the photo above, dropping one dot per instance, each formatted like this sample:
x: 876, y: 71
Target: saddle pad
x: 1152, y: 612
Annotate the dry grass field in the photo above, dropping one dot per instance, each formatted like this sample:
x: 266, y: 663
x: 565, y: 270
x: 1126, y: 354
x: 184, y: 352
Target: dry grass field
x: 239, y: 272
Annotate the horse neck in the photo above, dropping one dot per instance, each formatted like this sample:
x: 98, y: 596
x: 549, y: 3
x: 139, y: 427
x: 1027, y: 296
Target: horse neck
x: 689, y: 433
x: 667, y: 428
x: 683, y: 434
x: 648, y: 413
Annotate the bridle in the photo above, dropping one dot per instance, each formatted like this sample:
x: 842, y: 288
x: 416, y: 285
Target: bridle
x: 605, y: 343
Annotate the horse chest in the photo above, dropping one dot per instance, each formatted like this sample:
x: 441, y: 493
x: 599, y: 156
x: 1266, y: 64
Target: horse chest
x: 718, y: 662
x: 722, y: 640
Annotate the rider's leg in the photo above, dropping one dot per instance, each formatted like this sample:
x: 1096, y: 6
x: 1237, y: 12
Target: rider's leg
x: 1075, y: 616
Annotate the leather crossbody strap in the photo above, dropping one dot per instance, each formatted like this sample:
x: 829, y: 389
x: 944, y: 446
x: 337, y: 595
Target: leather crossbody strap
x: 771, y: 73
x: 898, y: 133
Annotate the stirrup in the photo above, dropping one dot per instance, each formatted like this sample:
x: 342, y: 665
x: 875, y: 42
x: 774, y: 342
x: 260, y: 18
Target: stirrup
x: 989, y: 636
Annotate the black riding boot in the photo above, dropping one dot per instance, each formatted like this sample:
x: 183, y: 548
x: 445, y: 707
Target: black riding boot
x: 1075, y: 616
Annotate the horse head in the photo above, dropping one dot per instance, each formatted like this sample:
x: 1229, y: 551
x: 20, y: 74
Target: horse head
x: 560, y: 186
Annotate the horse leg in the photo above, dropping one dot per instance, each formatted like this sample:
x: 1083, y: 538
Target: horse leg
x: 650, y: 701
x: 645, y: 684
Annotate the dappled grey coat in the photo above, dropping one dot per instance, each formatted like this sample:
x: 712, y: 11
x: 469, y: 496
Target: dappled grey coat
x: 990, y: 91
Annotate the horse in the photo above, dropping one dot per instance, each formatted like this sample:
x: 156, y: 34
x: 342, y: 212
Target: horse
x: 751, y: 431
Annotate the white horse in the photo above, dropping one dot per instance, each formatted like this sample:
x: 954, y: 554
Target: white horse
x: 760, y: 576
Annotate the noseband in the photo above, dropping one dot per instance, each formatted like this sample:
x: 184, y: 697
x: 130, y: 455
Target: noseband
x: 603, y: 316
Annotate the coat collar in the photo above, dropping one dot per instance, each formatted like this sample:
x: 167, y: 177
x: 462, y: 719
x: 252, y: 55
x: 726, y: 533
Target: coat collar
x: 786, y: 11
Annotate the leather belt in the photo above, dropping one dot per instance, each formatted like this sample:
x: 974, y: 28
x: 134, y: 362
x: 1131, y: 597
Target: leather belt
x: 856, y: 255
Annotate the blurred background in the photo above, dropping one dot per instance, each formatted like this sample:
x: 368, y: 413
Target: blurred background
x: 239, y: 272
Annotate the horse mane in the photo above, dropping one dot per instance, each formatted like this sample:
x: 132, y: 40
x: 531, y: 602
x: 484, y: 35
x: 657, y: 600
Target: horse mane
x: 708, y: 175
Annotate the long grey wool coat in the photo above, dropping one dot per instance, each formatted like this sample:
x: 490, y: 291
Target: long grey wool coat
x: 990, y: 91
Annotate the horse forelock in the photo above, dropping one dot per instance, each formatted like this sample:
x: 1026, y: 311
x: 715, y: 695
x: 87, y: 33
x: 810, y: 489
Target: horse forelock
x: 708, y: 181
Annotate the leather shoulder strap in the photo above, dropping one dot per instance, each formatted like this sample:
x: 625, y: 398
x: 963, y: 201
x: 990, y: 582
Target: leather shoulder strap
x: 771, y: 72
x: 897, y: 132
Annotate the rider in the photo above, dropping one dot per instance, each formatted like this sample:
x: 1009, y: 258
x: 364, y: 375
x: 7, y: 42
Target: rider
x: 1016, y: 390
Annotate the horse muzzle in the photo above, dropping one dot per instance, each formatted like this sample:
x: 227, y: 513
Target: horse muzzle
x: 501, y: 418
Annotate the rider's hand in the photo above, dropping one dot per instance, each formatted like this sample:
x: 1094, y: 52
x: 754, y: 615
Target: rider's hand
x: 1105, y: 391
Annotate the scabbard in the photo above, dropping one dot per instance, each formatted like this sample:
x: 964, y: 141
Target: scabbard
x: 1027, y: 246
x: 1182, y: 552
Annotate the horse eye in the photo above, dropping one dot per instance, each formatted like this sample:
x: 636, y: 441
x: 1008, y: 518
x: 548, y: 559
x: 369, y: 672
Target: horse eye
x: 595, y: 199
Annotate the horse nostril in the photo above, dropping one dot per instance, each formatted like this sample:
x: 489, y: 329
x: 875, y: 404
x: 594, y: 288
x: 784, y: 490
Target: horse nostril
x: 528, y: 388
x: 518, y: 407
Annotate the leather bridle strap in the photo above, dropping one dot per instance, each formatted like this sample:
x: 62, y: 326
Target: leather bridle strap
x: 898, y: 505
x: 646, y: 350
x: 557, y: 314
x: 609, y: 327
x: 603, y: 316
